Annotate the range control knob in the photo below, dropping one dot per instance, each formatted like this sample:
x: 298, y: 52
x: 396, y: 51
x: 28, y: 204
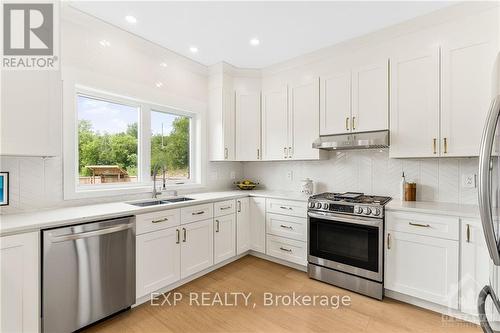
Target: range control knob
x: 325, y: 205
x: 367, y: 211
x: 311, y: 204
x: 318, y: 205
x: 376, y: 211
x: 358, y: 210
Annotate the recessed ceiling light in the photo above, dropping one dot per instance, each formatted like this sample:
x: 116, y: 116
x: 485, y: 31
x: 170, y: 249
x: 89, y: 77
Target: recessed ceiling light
x: 163, y: 64
x: 159, y: 84
x: 193, y: 49
x: 254, y: 41
x: 104, y: 43
x: 131, y: 19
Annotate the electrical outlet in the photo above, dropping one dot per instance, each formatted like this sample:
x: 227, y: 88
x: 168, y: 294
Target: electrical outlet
x: 469, y: 180
x: 289, y: 175
x: 232, y: 175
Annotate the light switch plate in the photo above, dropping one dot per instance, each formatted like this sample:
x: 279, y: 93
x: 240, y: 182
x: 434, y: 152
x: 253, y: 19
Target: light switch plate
x: 232, y: 175
x: 469, y: 180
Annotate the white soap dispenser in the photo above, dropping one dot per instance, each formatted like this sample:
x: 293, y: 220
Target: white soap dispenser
x: 402, y: 187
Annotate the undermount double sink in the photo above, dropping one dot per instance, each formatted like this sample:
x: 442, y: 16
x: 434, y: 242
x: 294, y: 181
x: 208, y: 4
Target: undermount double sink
x: 156, y: 202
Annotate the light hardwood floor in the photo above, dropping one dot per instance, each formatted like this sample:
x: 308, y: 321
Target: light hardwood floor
x: 250, y: 274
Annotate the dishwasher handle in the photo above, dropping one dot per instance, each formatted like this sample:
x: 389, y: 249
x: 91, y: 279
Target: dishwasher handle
x: 87, y: 234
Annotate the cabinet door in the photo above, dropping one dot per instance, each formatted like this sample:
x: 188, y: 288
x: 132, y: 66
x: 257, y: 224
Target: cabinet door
x: 467, y: 67
x: 258, y: 224
x: 475, y: 263
x: 20, y: 283
x: 370, y: 97
x: 248, y: 127
x: 335, y: 108
x: 415, y: 104
x: 157, y: 260
x: 274, y: 124
x: 221, y: 124
x: 224, y: 238
x: 228, y: 123
x: 243, y: 225
x: 422, y: 267
x: 197, y: 247
x: 304, y: 120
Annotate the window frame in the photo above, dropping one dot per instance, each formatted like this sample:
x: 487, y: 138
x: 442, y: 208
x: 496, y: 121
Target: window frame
x: 144, y: 184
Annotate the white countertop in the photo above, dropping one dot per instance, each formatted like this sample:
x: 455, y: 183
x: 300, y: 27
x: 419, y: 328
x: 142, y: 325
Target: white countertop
x: 27, y: 222
x: 439, y: 208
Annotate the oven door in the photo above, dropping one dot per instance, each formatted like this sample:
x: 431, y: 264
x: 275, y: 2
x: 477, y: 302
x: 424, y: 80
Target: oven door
x: 351, y: 244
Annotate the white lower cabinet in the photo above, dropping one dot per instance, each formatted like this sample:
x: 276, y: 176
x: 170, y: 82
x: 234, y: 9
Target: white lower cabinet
x: 287, y: 249
x: 474, y: 263
x: 197, y: 252
x: 224, y: 238
x: 423, y: 267
x: 157, y: 260
x: 20, y: 283
x: 242, y: 225
x: 258, y: 224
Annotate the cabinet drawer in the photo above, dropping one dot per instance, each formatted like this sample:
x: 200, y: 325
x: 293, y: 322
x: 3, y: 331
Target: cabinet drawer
x: 196, y: 213
x: 424, y: 224
x: 287, y: 249
x: 157, y: 220
x: 224, y: 208
x: 287, y: 226
x: 287, y: 207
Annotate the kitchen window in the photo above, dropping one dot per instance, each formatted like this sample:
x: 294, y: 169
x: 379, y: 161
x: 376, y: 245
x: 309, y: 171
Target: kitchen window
x: 119, y: 141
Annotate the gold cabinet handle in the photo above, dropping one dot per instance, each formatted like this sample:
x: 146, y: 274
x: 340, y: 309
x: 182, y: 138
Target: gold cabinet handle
x: 434, y: 144
x: 284, y: 249
x: 468, y: 233
x: 445, y: 144
x: 217, y: 225
x: 347, y: 123
x: 178, y: 238
x: 420, y: 225
x: 184, y: 232
x: 160, y: 220
x: 388, y: 241
x: 353, y: 123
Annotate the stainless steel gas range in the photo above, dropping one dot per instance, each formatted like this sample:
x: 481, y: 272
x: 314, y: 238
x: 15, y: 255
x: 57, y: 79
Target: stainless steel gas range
x: 346, y: 241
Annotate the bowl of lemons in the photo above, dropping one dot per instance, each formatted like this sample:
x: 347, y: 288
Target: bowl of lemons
x: 246, y: 184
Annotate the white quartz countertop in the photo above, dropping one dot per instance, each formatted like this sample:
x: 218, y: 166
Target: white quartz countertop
x: 35, y: 221
x: 439, y: 208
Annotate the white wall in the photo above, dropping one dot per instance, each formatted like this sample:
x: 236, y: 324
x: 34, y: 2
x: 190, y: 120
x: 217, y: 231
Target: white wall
x: 372, y: 172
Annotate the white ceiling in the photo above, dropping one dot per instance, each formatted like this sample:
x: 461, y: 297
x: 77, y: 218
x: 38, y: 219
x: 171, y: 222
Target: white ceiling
x: 222, y: 30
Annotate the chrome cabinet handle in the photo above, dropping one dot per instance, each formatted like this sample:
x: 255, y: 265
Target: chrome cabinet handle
x: 285, y: 207
x: 224, y: 208
x: 160, y: 220
x: 178, y: 238
x: 258, y: 153
x: 217, y: 225
x: 347, y: 123
x: 468, y: 233
x: 419, y: 225
x: 284, y: 249
x: 239, y: 206
x: 286, y: 227
x: 286, y: 155
x: 198, y: 213
x: 388, y: 241
x: 290, y: 152
x: 434, y: 146
x: 445, y: 144
x: 226, y: 153
x: 184, y: 234
x: 353, y: 123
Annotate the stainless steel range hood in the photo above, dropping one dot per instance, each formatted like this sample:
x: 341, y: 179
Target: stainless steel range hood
x: 365, y: 140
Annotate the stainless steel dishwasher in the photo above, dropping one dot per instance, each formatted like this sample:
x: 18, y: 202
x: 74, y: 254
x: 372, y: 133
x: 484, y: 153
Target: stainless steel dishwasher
x: 88, y: 273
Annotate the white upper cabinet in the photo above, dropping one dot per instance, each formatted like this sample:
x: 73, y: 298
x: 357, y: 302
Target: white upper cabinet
x: 248, y: 132
x: 335, y: 108
x: 467, y: 63
x: 303, y: 119
x: 370, y: 97
x: 221, y: 124
x: 415, y: 103
x: 30, y: 105
x: 275, y: 123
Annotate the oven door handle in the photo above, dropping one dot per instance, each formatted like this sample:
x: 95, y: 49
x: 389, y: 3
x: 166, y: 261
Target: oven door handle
x: 340, y: 218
